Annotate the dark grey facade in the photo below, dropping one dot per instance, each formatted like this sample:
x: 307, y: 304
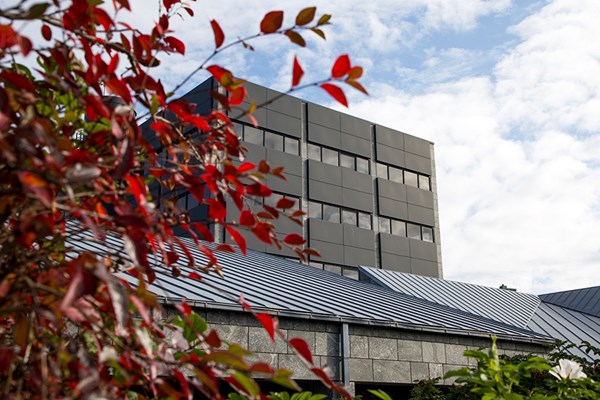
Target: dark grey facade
x: 369, y: 191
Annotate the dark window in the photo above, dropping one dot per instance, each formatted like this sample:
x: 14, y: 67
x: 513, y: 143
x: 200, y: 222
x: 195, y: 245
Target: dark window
x: 410, y: 179
x: 351, y: 273
x: 349, y: 217
x: 395, y: 174
x: 427, y: 233
x: 364, y: 221
x: 315, y: 210
x: 273, y: 141
x: 292, y: 146
x: 253, y: 135
x: 413, y: 231
x: 314, y: 152
x: 331, y: 213
x: 398, y: 228
x: 362, y: 165
x: 384, y: 225
x: 382, y: 171
x: 346, y: 161
x: 329, y: 156
x: 424, y: 182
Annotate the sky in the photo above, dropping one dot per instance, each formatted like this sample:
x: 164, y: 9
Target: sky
x: 508, y: 90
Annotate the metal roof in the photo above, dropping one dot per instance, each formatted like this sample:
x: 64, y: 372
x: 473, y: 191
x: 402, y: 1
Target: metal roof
x: 585, y: 300
x: 522, y: 309
x: 287, y: 287
x: 502, y: 305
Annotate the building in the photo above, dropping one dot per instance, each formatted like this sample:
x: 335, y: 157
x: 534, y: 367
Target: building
x: 369, y: 191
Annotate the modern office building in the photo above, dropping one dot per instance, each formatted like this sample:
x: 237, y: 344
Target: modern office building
x: 369, y: 191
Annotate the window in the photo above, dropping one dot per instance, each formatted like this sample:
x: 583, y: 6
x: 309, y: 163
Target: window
x: 427, y: 233
x: 333, y: 268
x: 253, y: 135
x: 347, y: 161
x: 413, y: 231
x: 351, y: 273
x: 349, y: 217
x: 384, y: 225
x: 292, y: 146
x: 395, y: 174
x: 329, y: 156
x: 398, y: 228
x: 410, y: 179
x: 331, y: 213
x: 315, y: 210
x: 314, y: 152
x: 362, y: 165
x: 424, y: 182
x: 273, y: 141
x: 364, y: 221
x: 382, y: 171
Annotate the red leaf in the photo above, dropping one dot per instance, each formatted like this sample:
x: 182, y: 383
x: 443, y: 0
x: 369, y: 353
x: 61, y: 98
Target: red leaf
x: 264, y: 167
x: 305, y: 16
x: 295, y: 38
x: 17, y: 80
x: 176, y: 44
x: 336, y: 93
x: 120, y: 88
x: 297, y: 73
x: 269, y: 323
x: 311, y: 252
x: 195, y: 275
x: 341, y: 66
x: 183, y: 382
x: 172, y: 257
x: 114, y: 63
x: 356, y: 86
x: 169, y: 3
x: 24, y: 44
x: 301, y: 347
x: 247, y: 218
x: 246, y: 166
x: 226, y: 248
x: 222, y: 75
x: 285, y: 203
x: 34, y: 184
x: 355, y: 72
x: 237, y: 96
x: 245, y: 305
x: 258, y: 189
x: 219, y: 35
x: 46, y: 32
x: 237, y: 237
x: 184, y: 307
x: 138, y: 188
x: 213, y: 339
x: 271, y: 22
x: 294, y: 239
x: 262, y: 231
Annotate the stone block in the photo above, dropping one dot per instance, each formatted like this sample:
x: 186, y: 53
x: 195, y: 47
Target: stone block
x: 409, y: 350
x: 383, y: 349
x: 259, y: 341
x: 295, y: 364
x: 419, y: 371
x: 361, y: 370
x: 391, y: 371
x: 434, y: 352
x: 327, y: 344
x: 217, y: 317
x: 454, y: 354
x: 447, y: 368
x: 359, y: 347
x: 233, y: 334
x: 270, y: 358
x: 436, y: 371
x: 307, y: 336
x: 332, y: 364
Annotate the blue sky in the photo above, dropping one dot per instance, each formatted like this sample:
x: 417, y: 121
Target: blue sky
x: 507, y: 90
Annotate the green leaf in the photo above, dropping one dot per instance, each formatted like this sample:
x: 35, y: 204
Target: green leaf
x: 37, y: 10
x: 324, y: 20
x: 249, y: 385
x: 306, y: 16
x: 381, y: 394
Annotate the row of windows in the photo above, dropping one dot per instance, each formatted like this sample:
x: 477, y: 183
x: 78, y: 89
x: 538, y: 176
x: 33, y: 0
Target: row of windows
x: 406, y: 229
x: 334, y: 157
x: 274, y: 198
x: 337, y: 214
x: 399, y: 175
x: 268, y: 139
x: 349, y: 272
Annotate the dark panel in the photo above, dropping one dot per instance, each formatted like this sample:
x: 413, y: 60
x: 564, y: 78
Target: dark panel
x: 251, y: 241
x: 355, y: 126
x: 419, y: 197
x: 325, y: 136
x: 356, y: 145
x: 417, y: 163
x: 256, y: 93
x: 330, y: 252
x: 423, y: 250
x: 391, y: 190
x: 355, y: 180
x: 392, y: 208
x: 389, y: 137
x: 422, y: 267
x: 324, y: 172
x: 417, y: 146
x: 293, y: 184
x: 285, y: 104
x: 395, y: 263
x: 357, y: 200
x: 285, y: 225
x: 323, y: 116
x: 356, y: 257
x: 358, y: 237
x: 255, y: 152
x: 260, y: 115
x: 325, y: 192
x: 390, y: 155
x: 284, y: 123
x: 421, y: 215
x: 394, y: 244
x: 292, y: 164
x: 325, y: 231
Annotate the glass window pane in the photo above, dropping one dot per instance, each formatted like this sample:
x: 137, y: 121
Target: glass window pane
x: 316, y: 264
x: 410, y: 179
x: 351, y: 273
x: 273, y: 141
x: 382, y: 171
x: 314, y: 152
x: 362, y: 165
x: 427, y: 233
x: 384, y: 225
x: 346, y: 161
x: 364, y: 221
x: 239, y: 129
x: 424, y: 182
x: 395, y: 174
x: 413, y: 231
x: 273, y: 199
x: 331, y: 213
x: 398, y: 228
x: 330, y: 156
x: 349, y: 217
x: 333, y: 268
x: 253, y: 135
x: 292, y: 146
x: 315, y: 210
